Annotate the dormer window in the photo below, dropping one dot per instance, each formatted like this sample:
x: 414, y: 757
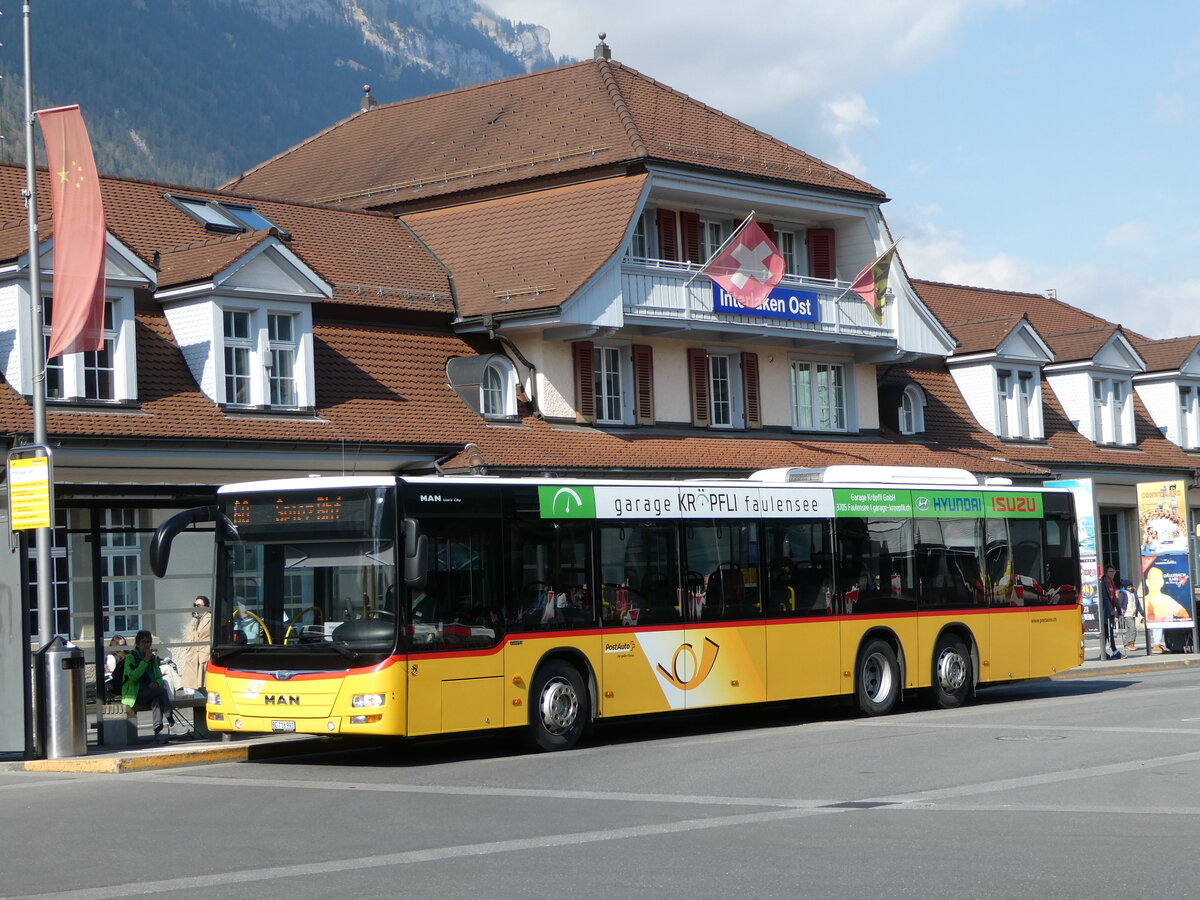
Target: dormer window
x: 498, y: 390
x: 102, y: 375
x: 1016, y: 403
x: 912, y: 410
x: 224, y: 218
x: 262, y: 358
x: 1112, y: 414
x: 1189, y: 416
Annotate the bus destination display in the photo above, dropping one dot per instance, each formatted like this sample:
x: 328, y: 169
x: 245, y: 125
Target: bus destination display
x: 317, y: 512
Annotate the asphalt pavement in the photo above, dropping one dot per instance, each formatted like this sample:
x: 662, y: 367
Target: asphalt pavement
x: 186, y: 750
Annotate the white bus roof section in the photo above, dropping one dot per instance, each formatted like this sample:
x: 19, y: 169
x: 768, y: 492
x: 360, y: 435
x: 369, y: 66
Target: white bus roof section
x: 869, y: 475
x: 311, y: 483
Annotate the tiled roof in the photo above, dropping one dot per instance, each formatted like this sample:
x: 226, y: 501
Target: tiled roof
x: 1082, y: 344
x: 370, y: 258
x: 531, y: 250
x: 376, y: 385
x: 984, y: 334
x: 555, y: 122
x: 1167, y: 355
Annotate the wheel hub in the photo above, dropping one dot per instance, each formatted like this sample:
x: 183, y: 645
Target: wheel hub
x: 952, y: 671
x: 559, y: 706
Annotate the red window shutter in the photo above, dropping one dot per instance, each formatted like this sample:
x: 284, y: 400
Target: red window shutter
x: 768, y: 230
x: 643, y: 384
x: 822, y: 258
x: 750, y: 389
x: 690, y: 223
x: 585, y: 381
x: 668, y: 238
x: 698, y: 376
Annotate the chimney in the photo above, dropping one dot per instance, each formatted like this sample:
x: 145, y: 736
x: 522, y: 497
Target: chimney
x: 602, y: 51
x: 368, y: 102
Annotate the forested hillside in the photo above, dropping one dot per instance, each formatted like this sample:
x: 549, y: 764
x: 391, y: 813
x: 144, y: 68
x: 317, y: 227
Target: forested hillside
x: 195, y: 91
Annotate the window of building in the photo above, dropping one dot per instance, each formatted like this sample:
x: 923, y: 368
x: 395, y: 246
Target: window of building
x: 609, y: 385
x: 1016, y: 403
x: 238, y: 348
x: 712, y: 234
x: 263, y: 359
x: 912, y: 410
x: 107, y: 374
x: 785, y: 242
x: 1189, y: 416
x: 720, y: 391
x: 281, y: 336
x: 498, y: 390
x: 121, y: 570
x: 1112, y: 413
x: 224, y: 218
x: 724, y: 389
x: 818, y: 396
x: 639, y: 246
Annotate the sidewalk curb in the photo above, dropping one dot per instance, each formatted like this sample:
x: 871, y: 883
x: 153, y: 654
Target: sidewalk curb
x: 174, y: 757
x: 1127, y: 667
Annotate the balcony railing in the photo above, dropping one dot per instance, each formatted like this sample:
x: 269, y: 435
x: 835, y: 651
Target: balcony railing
x: 655, y: 289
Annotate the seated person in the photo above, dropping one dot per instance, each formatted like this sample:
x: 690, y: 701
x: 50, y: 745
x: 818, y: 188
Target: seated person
x: 144, y: 684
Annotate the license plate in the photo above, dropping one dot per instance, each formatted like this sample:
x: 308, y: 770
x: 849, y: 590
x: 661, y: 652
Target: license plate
x: 282, y: 725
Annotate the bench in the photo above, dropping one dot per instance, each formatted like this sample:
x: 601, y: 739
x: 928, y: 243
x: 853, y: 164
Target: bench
x: 119, y: 723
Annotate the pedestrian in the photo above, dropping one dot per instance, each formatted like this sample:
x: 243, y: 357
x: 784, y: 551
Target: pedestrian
x: 1131, y: 610
x: 197, y: 638
x: 1110, y: 609
x: 144, y: 684
x: 112, y: 691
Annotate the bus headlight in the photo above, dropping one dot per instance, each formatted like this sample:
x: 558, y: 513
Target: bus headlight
x: 214, y: 699
x: 360, y: 700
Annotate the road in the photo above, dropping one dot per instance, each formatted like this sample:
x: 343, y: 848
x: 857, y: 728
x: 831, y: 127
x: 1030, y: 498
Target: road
x: 1075, y: 788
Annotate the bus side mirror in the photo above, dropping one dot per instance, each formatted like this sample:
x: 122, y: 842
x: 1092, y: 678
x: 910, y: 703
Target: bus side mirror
x: 416, y: 551
x: 160, y: 544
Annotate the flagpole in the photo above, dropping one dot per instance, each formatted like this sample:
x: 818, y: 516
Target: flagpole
x: 724, y: 244
x: 45, y: 580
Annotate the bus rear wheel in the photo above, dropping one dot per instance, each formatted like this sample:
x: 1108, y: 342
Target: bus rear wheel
x: 878, y: 682
x: 559, y: 712
x: 951, y: 672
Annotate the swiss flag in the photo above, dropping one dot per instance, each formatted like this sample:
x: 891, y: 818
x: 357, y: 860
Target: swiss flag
x: 748, y: 267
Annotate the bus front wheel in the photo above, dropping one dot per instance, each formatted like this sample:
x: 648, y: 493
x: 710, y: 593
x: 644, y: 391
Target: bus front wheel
x: 878, y: 684
x: 951, y: 672
x: 559, y: 710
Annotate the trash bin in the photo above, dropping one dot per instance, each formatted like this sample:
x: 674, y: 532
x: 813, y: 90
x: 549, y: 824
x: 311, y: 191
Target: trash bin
x: 62, y: 714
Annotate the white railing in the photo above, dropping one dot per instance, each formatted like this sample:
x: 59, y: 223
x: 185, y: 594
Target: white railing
x: 655, y: 289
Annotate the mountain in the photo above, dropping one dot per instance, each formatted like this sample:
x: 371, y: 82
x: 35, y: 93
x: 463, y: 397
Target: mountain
x: 196, y: 91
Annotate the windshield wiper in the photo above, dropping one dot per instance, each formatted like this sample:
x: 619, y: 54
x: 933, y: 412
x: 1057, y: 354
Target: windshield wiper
x: 343, y: 648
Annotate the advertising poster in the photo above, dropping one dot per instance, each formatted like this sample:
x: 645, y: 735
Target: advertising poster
x: 1162, y: 517
x: 1089, y: 565
x: 1167, y: 587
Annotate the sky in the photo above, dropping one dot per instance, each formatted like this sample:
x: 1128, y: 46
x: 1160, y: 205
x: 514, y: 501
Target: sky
x: 1025, y: 145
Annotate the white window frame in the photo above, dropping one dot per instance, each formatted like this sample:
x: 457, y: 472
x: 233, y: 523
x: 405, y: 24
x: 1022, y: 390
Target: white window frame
x: 639, y: 241
x: 498, y: 390
x: 281, y: 355
x: 259, y: 353
x: 1189, y: 415
x: 73, y: 368
x: 912, y: 410
x: 1017, y: 403
x: 605, y: 352
x: 713, y: 232
x: 804, y: 374
x: 786, y: 241
x: 724, y: 381
x: 1112, y: 410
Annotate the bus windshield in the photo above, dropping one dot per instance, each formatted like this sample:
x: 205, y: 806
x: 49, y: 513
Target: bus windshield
x: 308, y: 577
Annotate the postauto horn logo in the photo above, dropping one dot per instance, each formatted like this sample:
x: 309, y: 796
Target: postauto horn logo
x: 567, y: 502
x: 686, y: 671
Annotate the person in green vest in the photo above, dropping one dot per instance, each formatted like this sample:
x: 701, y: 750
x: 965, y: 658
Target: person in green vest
x: 144, y: 685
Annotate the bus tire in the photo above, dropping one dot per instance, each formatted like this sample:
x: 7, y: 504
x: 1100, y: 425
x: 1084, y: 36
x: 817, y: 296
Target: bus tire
x: 951, y: 672
x: 558, y: 712
x: 878, y: 682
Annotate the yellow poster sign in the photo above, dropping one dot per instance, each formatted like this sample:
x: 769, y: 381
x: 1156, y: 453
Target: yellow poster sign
x: 29, y: 492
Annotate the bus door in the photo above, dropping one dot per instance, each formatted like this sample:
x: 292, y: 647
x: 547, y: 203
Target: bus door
x: 1009, y: 657
x: 453, y: 623
x: 803, y: 637
x: 642, y: 615
x: 721, y: 657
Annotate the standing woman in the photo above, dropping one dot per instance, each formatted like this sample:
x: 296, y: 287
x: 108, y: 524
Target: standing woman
x: 197, y: 637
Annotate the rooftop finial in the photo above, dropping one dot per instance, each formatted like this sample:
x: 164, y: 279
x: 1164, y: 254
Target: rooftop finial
x: 602, y: 51
x: 368, y: 102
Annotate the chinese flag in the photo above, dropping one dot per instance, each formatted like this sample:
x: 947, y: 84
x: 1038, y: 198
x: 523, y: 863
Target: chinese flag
x: 748, y: 268
x: 77, y: 323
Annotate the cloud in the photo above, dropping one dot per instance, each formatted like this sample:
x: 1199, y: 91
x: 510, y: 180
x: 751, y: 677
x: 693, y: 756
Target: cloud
x: 1128, y: 234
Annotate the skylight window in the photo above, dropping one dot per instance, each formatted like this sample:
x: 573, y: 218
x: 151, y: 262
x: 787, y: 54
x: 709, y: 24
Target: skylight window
x: 225, y: 218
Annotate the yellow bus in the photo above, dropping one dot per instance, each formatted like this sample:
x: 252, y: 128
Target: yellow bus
x: 431, y: 605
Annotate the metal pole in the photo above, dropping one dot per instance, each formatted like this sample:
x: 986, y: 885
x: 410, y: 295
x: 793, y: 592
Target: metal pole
x: 45, y: 578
